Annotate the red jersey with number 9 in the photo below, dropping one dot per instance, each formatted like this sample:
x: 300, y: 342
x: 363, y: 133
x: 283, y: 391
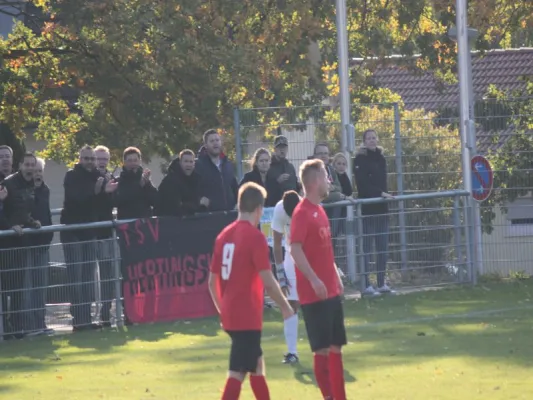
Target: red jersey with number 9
x: 240, y: 253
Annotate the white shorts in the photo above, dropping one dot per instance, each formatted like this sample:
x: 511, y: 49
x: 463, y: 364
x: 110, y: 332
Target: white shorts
x: 290, y: 271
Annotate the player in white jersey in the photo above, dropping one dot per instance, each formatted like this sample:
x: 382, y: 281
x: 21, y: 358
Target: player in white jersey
x: 285, y: 271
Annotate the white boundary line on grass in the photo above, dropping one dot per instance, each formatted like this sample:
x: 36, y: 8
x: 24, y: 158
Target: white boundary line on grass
x: 471, y: 314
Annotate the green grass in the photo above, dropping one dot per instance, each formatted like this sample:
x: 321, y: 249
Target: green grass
x: 444, y: 356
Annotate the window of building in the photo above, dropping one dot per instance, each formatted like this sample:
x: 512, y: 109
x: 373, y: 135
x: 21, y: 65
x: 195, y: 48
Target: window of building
x: 520, y: 217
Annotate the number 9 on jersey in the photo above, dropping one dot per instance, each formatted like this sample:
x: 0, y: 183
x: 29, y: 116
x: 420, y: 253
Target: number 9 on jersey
x: 227, y: 260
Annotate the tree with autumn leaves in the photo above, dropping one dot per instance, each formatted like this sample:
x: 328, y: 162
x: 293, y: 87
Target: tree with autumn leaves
x: 158, y: 73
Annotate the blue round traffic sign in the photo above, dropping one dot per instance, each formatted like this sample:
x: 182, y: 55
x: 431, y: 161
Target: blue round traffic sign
x: 482, y: 178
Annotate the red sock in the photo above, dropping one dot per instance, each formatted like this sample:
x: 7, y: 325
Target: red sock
x: 232, y: 391
x: 259, y: 387
x: 321, y: 374
x: 336, y: 376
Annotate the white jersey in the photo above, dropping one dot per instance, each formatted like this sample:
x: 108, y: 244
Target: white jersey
x: 281, y: 222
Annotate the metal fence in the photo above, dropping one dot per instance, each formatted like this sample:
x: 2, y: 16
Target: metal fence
x: 76, y: 284
x: 432, y: 248
x: 72, y: 285
x: 423, y: 151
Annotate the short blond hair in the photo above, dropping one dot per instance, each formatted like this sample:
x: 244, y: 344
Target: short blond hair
x: 309, y: 169
x: 337, y: 156
x: 251, y: 197
x: 101, y: 148
x: 40, y: 161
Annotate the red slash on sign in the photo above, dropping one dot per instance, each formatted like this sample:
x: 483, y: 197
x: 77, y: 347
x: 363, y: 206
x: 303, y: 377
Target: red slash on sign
x: 482, y: 178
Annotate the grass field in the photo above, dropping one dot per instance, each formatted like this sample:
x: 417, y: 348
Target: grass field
x: 415, y: 346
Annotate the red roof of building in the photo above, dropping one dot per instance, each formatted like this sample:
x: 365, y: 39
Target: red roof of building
x: 506, y: 69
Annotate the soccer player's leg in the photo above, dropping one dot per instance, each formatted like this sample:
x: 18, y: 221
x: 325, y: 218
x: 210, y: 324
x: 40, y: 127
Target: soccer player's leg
x: 290, y: 325
x: 317, y: 323
x: 338, y: 339
x: 244, y: 358
x: 258, y: 381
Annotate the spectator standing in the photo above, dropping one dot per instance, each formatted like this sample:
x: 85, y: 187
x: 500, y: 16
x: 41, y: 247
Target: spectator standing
x: 259, y: 174
x: 179, y: 191
x: 370, y: 169
x: 6, y: 166
x: 334, y: 214
x: 37, y: 276
x: 136, y: 194
x: 104, y: 237
x: 18, y: 206
x: 218, y: 182
x: 83, y: 185
x: 340, y: 164
x: 281, y: 171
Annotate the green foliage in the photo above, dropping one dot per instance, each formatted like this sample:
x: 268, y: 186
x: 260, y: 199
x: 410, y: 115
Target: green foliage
x: 157, y: 74
x: 511, y: 155
x: 519, y: 276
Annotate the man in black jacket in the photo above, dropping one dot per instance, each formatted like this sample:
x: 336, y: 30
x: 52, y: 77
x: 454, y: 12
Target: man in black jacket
x: 282, y: 173
x: 83, y: 188
x: 17, y: 210
x: 218, y: 182
x: 136, y: 194
x: 179, y: 192
x: 39, y: 253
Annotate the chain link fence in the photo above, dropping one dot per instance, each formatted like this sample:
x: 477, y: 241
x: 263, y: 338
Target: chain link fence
x: 422, y: 145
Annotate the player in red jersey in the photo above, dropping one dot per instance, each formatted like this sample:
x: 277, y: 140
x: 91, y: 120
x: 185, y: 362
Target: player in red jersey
x: 318, y: 281
x: 240, y: 270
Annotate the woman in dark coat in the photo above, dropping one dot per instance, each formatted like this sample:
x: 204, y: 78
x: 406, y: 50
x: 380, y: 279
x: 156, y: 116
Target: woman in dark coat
x: 370, y: 170
x: 340, y: 164
x: 258, y: 174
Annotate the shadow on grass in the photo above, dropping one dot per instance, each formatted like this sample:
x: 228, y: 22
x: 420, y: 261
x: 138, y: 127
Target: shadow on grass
x: 106, y: 340
x: 5, y: 389
x: 501, y: 338
x: 304, y: 374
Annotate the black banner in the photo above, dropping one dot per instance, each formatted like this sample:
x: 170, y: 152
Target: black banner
x: 165, y: 266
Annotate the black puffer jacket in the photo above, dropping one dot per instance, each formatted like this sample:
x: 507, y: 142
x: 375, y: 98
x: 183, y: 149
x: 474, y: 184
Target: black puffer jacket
x: 18, y: 204
x: 179, y: 194
x: 132, y: 199
x: 218, y: 185
x: 79, y: 204
x: 41, y: 212
x: 279, y: 167
x: 370, y: 170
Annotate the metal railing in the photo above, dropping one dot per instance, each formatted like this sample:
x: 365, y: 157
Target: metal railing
x: 77, y: 283
x: 424, y: 239
x: 41, y: 294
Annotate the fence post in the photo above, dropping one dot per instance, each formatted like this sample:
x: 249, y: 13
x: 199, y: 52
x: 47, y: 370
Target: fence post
x: 469, y: 240
x: 351, y: 254
x: 238, y: 141
x: 473, y: 237
x: 360, y: 243
x: 399, y: 182
x: 118, y: 281
x: 457, y: 236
